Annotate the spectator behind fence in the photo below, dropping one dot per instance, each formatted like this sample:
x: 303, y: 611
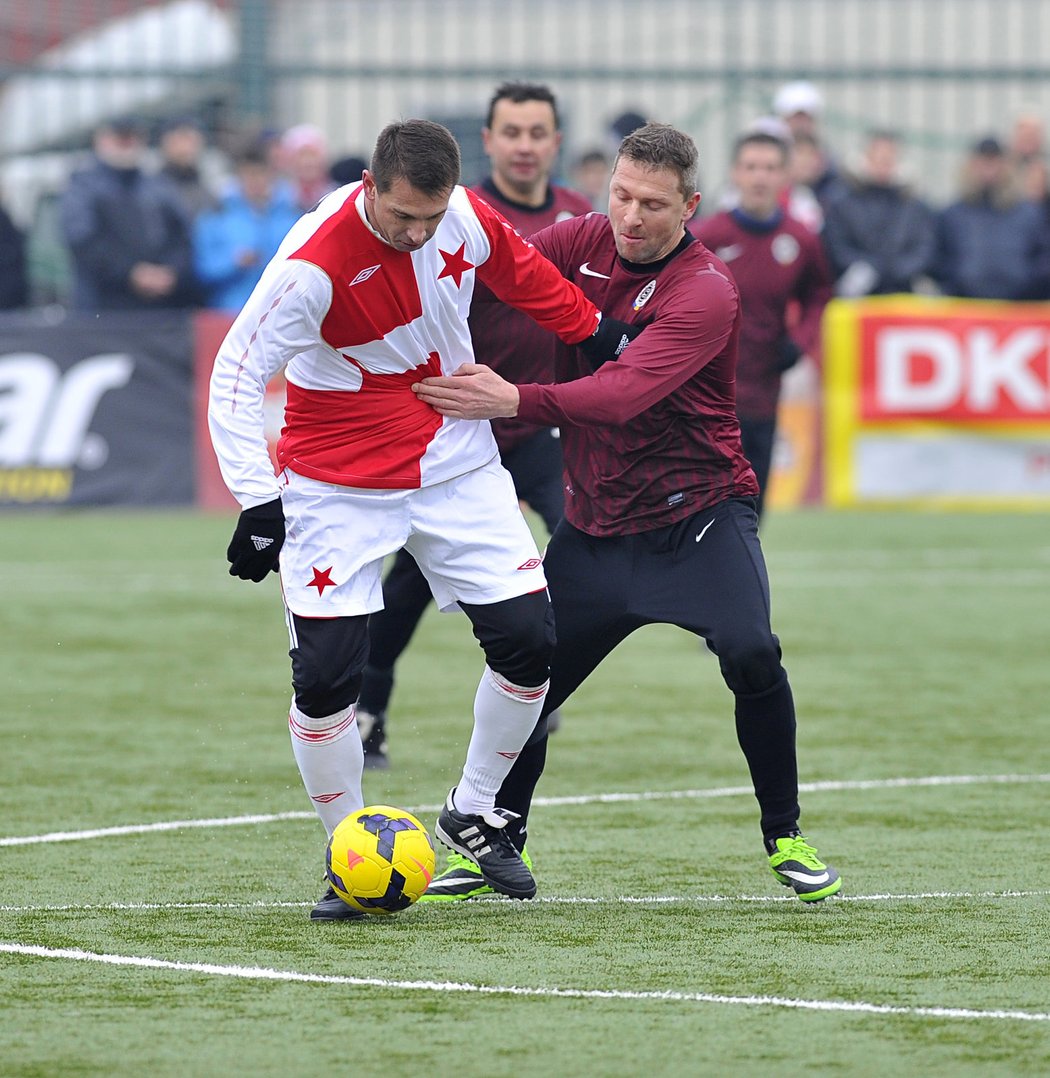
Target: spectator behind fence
x: 347, y: 169
x: 182, y: 148
x: 127, y: 233
x: 808, y: 168
x: 775, y: 260
x: 990, y: 243
x: 590, y: 176
x: 800, y: 105
x: 14, y: 287
x: 304, y: 159
x: 1027, y: 156
x: 233, y: 243
x: 880, y: 238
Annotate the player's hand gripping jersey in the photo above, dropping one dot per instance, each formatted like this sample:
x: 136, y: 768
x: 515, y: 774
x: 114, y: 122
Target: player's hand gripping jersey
x: 354, y: 323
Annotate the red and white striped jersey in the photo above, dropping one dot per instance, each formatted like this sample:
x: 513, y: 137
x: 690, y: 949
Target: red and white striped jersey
x: 354, y: 324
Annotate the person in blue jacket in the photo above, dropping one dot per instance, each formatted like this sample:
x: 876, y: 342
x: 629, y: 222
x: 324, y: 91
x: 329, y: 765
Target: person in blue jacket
x: 233, y: 243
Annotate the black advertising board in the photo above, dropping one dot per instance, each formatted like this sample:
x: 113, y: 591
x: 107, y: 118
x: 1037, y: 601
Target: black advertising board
x: 96, y: 410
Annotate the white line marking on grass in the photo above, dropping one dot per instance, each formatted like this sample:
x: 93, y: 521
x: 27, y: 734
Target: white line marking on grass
x: 260, y: 973
x: 562, y: 900
x: 144, y: 828
x: 904, y: 578
x: 540, y: 802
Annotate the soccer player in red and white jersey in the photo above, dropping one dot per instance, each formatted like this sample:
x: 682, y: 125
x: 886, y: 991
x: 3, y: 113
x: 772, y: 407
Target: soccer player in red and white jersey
x: 522, y: 136
x: 774, y: 260
x: 660, y: 523
x: 368, y: 293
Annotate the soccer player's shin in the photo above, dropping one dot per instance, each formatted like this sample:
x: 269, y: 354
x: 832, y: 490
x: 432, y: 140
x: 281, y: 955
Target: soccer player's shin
x: 330, y: 758
x: 504, y: 717
x: 765, y: 728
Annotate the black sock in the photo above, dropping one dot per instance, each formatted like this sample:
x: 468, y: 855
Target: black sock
x: 518, y: 787
x: 765, y: 729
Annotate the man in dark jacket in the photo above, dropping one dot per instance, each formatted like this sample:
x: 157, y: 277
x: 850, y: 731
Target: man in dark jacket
x: 127, y: 233
x: 879, y: 237
x: 990, y: 242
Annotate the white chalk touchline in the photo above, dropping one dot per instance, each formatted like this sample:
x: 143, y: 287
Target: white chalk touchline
x: 265, y: 974
x: 540, y: 802
x: 560, y: 900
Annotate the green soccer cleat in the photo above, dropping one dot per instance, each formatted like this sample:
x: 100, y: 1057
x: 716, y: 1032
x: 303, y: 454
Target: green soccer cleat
x: 461, y: 880
x: 795, y: 864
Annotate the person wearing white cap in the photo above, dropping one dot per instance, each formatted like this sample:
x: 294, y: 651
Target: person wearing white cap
x: 800, y: 106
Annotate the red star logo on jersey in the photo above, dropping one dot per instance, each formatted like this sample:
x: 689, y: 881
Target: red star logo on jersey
x: 322, y: 579
x: 455, y: 265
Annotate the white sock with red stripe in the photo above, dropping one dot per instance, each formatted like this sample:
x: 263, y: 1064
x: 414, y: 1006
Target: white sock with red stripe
x: 330, y: 758
x: 504, y: 716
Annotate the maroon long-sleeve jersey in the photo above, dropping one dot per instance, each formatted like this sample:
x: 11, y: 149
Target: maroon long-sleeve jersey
x: 507, y: 340
x: 771, y: 266
x: 651, y: 438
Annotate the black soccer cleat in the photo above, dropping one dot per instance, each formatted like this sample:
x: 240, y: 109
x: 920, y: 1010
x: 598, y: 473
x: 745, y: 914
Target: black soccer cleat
x: 373, y: 738
x: 333, y: 908
x: 484, y: 841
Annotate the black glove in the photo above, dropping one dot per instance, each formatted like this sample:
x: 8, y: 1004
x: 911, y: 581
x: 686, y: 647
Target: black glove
x: 608, y: 340
x: 788, y: 353
x: 256, y: 542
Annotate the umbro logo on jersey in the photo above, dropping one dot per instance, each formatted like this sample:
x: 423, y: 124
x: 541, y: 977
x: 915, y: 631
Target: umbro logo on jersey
x: 326, y: 799
x: 532, y: 563
x: 261, y: 542
x: 586, y: 270
x: 364, y: 275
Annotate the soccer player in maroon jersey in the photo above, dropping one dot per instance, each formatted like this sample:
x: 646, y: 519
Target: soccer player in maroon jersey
x: 660, y: 523
x: 774, y: 260
x: 522, y: 137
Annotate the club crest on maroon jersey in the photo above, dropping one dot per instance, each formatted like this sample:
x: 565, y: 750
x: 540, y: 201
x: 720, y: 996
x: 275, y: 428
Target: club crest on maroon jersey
x: 785, y: 248
x: 644, y: 296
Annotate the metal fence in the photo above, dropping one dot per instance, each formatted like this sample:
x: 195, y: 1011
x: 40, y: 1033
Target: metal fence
x: 940, y: 72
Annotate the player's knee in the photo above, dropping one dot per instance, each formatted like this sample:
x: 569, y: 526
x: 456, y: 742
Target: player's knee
x: 518, y: 638
x: 318, y: 694
x: 751, y: 667
x: 328, y: 658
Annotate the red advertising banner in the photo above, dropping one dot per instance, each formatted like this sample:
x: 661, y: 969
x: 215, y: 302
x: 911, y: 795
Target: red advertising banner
x: 937, y: 402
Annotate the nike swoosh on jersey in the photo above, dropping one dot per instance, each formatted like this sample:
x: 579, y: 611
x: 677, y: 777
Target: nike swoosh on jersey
x: 586, y: 270
x: 727, y: 254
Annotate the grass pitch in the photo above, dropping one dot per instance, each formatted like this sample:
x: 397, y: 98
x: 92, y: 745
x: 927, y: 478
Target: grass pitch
x: 143, y: 686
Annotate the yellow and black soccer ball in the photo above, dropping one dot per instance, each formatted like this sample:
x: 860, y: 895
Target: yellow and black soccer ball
x: 380, y: 859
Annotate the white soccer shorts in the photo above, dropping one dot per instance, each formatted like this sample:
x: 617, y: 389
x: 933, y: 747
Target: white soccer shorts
x: 467, y: 534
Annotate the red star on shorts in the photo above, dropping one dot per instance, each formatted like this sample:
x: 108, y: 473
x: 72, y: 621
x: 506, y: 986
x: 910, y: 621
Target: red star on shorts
x: 455, y: 265
x: 322, y: 579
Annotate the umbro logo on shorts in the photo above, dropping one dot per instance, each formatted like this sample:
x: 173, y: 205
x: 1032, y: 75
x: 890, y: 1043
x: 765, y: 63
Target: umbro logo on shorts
x: 261, y: 542
x: 532, y: 563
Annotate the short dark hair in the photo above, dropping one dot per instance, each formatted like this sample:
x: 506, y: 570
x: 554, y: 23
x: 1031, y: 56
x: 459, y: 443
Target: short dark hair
x: 661, y: 146
x: 419, y: 151
x: 519, y: 92
x: 760, y: 138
